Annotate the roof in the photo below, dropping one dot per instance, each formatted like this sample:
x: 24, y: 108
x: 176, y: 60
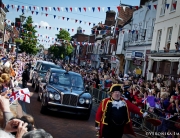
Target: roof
x: 64, y: 71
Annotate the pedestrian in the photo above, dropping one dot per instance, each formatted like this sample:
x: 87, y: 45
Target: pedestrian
x: 25, y: 76
x: 113, y: 115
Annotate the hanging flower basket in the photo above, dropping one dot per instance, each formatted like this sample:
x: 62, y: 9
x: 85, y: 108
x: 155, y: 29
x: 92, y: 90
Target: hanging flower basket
x: 18, y: 40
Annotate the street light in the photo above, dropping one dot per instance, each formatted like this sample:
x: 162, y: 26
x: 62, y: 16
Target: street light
x: 22, y: 19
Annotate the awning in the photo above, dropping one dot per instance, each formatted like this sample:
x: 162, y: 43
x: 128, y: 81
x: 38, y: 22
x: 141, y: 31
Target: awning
x: 171, y: 59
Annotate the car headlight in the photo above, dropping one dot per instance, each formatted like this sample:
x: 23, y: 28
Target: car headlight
x: 81, y: 100
x: 51, y: 96
x: 87, y: 101
x: 57, y: 97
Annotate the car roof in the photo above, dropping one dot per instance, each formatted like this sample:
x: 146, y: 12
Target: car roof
x: 62, y: 70
x: 47, y: 62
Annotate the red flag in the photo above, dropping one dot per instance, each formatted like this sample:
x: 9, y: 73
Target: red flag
x: 136, y: 31
x: 84, y: 9
x: 46, y: 14
x: 71, y: 9
x: 63, y: 18
x: 60, y: 28
x: 58, y: 8
x: 129, y: 31
x: 22, y: 7
x: 136, y: 7
x: 76, y: 21
x: 123, y: 32
x: 89, y: 23
x: 39, y: 26
x: 12, y: 6
x: 99, y: 9
x: 52, y: 38
x: 46, y: 8
x: 32, y: 12
x: 83, y: 30
x: 118, y: 7
x: 155, y: 6
x: 34, y: 7
x: 174, y: 5
x: 46, y: 36
x: 72, y: 30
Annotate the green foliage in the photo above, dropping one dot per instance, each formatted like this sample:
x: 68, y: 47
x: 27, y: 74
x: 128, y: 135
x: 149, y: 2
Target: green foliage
x: 29, y: 44
x: 57, y: 51
x: 63, y: 34
x: 19, y: 40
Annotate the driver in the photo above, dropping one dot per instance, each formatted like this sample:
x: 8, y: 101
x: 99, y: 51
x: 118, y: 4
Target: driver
x: 56, y: 80
x: 73, y: 81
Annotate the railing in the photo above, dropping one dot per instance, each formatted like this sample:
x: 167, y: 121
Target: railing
x: 142, y: 127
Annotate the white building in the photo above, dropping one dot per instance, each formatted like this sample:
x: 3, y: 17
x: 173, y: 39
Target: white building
x: 164, y: 57
x: 138, y: 38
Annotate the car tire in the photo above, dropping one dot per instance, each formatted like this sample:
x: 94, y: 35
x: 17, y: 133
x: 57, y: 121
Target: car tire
x: 33, y: 84
x: 87, y: 116
x: 43, y: 109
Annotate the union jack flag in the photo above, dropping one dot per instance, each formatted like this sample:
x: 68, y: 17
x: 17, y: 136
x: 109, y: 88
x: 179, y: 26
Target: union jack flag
x: 14, y: 96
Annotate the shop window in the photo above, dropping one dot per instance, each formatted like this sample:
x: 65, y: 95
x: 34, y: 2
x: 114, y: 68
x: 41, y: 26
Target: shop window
x: 173, y: 5
x: 158, y: 42
x: 163, y: 8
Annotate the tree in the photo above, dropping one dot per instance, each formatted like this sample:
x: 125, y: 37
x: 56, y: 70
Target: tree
x: 29, y: 44
x: 57, y: 51
x: 64, y: 35
x: 41, y: 47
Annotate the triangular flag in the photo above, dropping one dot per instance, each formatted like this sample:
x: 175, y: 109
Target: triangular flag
x: 42, y: 8
x: 62, y: 8
x: 37, y: 8
x: 75, y: 9
x: 72, y: 30
x: 49, y: 28
x: 17, y: 9
x: 30, y: 8
x: 7, y: 6
x: 22, y: 7
x: 67, y: 9
x: 67, y: 19
x: 68, y: 30
x: 26, y: 7
x: 102, y: 9
x: 84, y: 9
x: 149, y: 6
x: 94, y: 24
x: 93, y: 8
x: 83, y: 30
x: 118, y: 7
x: 12, y: 6
x: 70, y: 9
x: 36, y: 13
x: 63, y: 18
x: 80, y: 9
x: 49, y: 8
x: 54, y: 8
x: 155, y: 7
x: 124, y: 8
x: 99, y: 9
x: 54, y: 16
x: 136, y: 7
x: 46, y: 14
x: 58, y: 9
x: 76, y: 21
x: 130, y: 7
x: 34, y: 7
x: 32, y: 12
x: 167, y: 6
x: 89, y: 8
x: 46, y: 8
x: 57, y: 29
x: 89, y: 24
x: 174, y: 5
x: 39, y: 26
x: 80, y: 21
x: 109, y: 8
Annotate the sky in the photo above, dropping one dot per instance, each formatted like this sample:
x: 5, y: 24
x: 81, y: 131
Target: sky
x: 58, y: 22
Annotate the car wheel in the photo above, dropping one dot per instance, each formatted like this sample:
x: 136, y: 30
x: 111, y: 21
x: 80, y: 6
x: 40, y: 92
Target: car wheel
x: 33, y: 84
x: 87, y: 116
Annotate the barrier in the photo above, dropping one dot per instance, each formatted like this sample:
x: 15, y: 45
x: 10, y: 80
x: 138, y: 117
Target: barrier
x: 168, y: 127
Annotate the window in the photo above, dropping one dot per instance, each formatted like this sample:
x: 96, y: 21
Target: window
x: 158, y: 40
x: 169, y: 35
x: 163, y: 7
x: 173, y: 5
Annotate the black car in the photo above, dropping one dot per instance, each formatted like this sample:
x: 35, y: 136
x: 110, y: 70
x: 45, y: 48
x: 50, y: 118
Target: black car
x: 40, y: 72
x: 65, y: 92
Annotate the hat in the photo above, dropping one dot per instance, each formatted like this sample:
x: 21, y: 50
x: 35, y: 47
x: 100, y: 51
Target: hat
x: 115, y: 87
x: 126, y: 86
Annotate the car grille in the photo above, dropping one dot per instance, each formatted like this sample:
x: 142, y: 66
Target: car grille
x: 69, y: 99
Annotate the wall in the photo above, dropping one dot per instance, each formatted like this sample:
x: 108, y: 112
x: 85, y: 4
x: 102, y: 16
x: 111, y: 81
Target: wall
x: 169, y: 19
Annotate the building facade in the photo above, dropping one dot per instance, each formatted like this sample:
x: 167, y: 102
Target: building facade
x: 165, y: 49
x: 140, y: 37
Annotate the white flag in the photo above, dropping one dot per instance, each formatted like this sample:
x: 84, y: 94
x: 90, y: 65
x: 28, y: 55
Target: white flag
x: 103, y: 9
x: 49, y: 8
x: 37, y: 8
x: 62, y: 8
x: 89, y: 8
x: 75, y: 9
x: 25, y: 95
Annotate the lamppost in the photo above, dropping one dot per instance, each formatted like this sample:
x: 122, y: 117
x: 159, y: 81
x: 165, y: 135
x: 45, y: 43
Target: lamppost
x: 22, y: 19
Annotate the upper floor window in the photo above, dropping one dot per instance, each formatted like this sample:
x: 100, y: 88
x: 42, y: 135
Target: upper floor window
x: 163, y: 7
x: 158, y: 42
x: 173, y: 5
x: 168, y: 40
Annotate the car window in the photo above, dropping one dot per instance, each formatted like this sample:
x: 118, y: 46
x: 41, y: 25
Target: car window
x: 66, y: 79
x: 45, y: 67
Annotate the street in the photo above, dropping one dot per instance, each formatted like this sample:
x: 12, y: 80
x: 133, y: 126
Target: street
x: 62, y: 125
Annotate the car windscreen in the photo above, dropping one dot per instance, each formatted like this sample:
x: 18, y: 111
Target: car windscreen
x: 46, y: 67
x: 66, y: 79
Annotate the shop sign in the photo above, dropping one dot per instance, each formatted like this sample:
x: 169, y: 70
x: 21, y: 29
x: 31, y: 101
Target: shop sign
x: 137, y: 62
x: 137, y: 55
